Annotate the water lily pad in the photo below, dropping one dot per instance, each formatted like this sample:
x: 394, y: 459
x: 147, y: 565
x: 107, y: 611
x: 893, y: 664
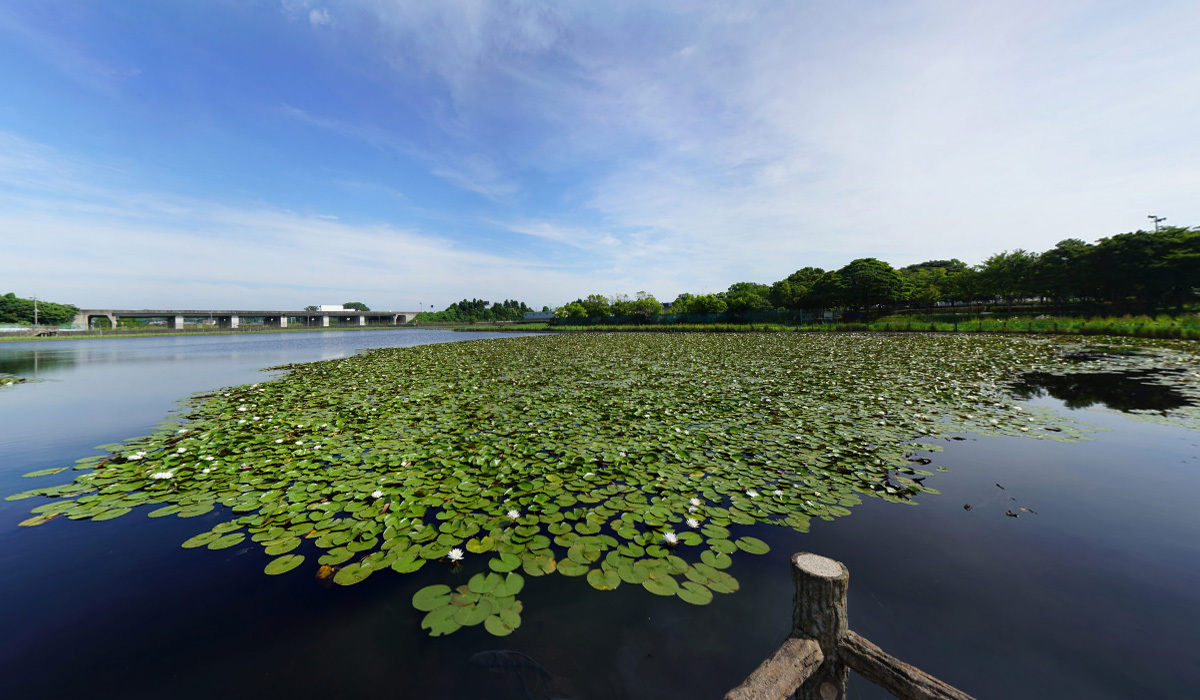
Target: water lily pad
x: 661, y: 585
x: 603, y: 580
x: 45, y: 472
x: 335, y: 557
x: 406, y: 564
x: 504, y: 563
x: 753, y: 545
x: 199, y: 540
x: 503, y: 623
x: 284, y: 564
x: 717, y: 560
x: 440, y: 621
x: 227, y: 541
x: 352, y: 573
x: 432, y: 597
x: 283, y: 546
x: 471, y: 615
x: 570, y: 567
x: 694, y: 593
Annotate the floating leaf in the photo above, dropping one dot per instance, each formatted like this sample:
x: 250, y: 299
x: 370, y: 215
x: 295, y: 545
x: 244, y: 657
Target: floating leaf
x: 284, y: 564
x: 752, y: 545
x: 694, y: 593
x: 45, y: 472
x: 431, y: 597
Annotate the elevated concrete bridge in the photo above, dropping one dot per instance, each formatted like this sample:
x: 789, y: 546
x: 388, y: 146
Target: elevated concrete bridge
x: 232, y: 318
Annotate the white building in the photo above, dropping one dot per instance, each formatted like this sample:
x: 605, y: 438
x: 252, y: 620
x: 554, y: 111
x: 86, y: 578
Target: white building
x: 331, y: 307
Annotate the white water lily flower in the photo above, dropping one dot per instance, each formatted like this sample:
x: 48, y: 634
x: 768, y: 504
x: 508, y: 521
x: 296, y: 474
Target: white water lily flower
x: 279, y: 441
x: 777, y: 493
x: 376, y: 493
x: 298, y: 442
x: 136, y: 455
x: 241, y: 421
x: 694, y: 501
x: 670, y: 539
x: 243, y: 408
x: 205, y: 471
x: 162, y: 475
x: 752, y: 493
x: 513, y: 514
x: 589, y: 474
x: 209, y: 458
x: 693, y: 523
x: 692, y: 509
x: 181, y: 450
x: 181, y: 431
x: 455, y: 554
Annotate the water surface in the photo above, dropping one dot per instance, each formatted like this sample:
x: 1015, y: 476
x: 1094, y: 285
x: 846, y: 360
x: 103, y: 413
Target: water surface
x: 1092, y: 591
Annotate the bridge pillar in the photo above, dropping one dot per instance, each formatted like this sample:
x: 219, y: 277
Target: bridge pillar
x: 362, y: 320
x: 283, y: 321
x: 233, y: 321
x: 177, y: 323
x: 325, y: 321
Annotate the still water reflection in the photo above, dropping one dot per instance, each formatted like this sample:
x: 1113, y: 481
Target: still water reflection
x: 1093, y: 591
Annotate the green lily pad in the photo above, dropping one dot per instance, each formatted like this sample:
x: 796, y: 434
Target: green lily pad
x: 432, y: 597
x: 284, y: 564
x: 504, y: 563
x: 752, y: 545
x: 694, y: 593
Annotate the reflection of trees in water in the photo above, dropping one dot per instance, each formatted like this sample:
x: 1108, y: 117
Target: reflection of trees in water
x: 1123, y: 391
x: 29, y: 363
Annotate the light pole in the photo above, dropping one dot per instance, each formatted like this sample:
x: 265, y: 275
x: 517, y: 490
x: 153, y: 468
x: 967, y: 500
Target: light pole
x: 35, y: 311
x: 1156, y: 220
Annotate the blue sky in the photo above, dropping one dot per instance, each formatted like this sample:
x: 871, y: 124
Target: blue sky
x: 277, y: 154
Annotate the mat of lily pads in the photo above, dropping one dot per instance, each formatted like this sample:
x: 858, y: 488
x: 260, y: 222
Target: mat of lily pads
x: 627, y: 459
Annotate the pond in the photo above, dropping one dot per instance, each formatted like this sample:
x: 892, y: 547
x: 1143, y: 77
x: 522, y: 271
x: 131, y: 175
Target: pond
x: 1089, y: 588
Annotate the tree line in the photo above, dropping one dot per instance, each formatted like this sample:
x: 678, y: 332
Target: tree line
x: 1151, y: 269
x: 471, y: 310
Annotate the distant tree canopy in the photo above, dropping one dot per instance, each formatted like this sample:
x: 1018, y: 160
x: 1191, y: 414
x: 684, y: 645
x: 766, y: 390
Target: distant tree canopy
x: 14, y: 309
x: 356, y: 305
x: 471, y: 310
x: 311, y: 308
x: 1149, y: 268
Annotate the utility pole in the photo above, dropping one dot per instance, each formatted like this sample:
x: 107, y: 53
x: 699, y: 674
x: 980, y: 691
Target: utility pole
x: 35, y: 311
x: 1156, y: 220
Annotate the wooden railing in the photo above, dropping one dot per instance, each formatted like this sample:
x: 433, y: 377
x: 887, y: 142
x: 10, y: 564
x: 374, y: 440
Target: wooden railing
x: 813, y: 663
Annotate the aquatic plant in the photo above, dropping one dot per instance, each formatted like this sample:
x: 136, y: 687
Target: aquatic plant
x: 626, y: 459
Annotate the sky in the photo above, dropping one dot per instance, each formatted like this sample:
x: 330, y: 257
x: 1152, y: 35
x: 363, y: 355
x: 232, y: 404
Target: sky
x: 408, y: 154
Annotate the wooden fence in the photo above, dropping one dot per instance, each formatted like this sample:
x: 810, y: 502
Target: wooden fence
x: 813, y: 663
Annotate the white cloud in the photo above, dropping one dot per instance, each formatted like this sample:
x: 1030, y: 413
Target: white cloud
x: 748, y: 140
x: 318, y: 18
x: 138, y: 249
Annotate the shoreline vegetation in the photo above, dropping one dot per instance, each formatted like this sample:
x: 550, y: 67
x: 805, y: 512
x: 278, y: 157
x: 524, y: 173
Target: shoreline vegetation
x: 1163, y: 326
x: 1178, y: 327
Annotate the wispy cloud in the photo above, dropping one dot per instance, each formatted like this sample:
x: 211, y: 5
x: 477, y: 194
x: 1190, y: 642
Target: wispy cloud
x: 139, y: 248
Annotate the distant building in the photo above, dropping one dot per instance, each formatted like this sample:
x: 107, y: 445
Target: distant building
x: 538, y: 315
x: 331, y: 307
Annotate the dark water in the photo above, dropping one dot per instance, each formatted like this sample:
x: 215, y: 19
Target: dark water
x: 1094, y: 591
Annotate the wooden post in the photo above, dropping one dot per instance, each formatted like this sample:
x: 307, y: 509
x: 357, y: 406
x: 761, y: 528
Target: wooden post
x: 819, y: 613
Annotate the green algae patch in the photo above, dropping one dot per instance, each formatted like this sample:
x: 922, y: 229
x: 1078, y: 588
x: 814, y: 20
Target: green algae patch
x: 618, y: 458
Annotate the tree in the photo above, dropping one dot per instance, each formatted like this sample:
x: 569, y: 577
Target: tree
x: 794, y: 291
x: 870, y: 282
x: 14, y: 309
x: 1009, y: 275
x: 747, y: 296
x: 311, y: 308
x: 1063, y: 271
x: 356, y: 306
x: 572, y: 310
